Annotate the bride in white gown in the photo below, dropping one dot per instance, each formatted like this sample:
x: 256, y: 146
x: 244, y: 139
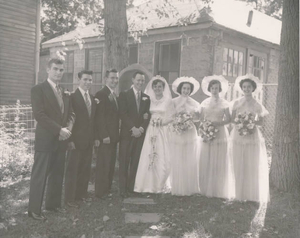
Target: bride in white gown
x: 154, y: 165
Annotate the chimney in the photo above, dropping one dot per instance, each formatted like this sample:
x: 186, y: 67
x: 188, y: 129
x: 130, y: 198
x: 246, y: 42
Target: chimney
x: 250, y: 16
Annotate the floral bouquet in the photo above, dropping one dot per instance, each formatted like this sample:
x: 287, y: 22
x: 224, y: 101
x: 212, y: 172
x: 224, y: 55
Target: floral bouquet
x: 207, y: 131
x: 245, y: 123
x: 156, y: 122
x: 153, y: 156
x: 182, y: 122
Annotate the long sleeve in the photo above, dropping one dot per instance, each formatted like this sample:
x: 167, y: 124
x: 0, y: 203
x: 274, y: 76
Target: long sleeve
x: 123, y: 108
x: 39, y: 112
x: 101, y: 126
x: 146, y: 121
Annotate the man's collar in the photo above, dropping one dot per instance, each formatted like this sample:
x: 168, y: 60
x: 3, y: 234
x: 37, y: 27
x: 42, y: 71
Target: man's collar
x: 112, y: 91
x: 82, y: 91
x: 51, y: 83
x: 135, y: 91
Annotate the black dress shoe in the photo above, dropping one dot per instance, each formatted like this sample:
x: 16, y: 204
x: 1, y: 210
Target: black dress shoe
x: 36, y: 216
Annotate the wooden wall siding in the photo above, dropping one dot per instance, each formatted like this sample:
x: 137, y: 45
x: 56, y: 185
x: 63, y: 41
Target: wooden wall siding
x: 18, y: 20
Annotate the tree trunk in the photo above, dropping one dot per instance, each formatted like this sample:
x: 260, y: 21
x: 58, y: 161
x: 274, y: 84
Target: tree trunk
x: 116, y: 32
x: 285, y: 169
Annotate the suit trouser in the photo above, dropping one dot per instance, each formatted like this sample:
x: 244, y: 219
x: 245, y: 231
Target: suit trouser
x: 105, y: 168
x: 77, y: 173
x: 47, y: 165
x: 129, y: 156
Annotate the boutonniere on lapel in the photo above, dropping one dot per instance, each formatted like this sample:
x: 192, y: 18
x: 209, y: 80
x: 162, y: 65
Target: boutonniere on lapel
x: 97, y: 101
x: 67, y: 93
x: 146, y: 116
x: 144, y: 98
x: 111, y: 97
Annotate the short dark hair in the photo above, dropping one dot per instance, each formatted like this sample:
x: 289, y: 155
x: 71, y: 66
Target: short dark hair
x: 84, y: 71
x: 179, y: 88
x: 136, y: 73
x: 212, y: 82
x: 253, y: 83
x: 108, y: 71
x: 156, y: 81
x: 54, y: 61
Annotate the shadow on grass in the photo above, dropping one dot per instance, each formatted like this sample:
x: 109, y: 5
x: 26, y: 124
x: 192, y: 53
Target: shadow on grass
x: 193, y: 216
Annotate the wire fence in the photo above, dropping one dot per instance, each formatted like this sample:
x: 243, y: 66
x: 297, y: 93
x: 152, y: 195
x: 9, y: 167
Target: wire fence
x: 17, y: 114
x: 266, y: 97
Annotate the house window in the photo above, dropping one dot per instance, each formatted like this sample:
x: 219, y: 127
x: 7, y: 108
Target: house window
x: 94, y: 58
x: 233, y: 61
x: 133, y: 54
x: 167, y: 59
x: 256, y: 66
x: 67, y: 78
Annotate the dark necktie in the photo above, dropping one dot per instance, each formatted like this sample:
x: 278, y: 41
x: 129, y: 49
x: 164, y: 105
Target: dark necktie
x: 59, y: 97
x: 87, y: 102
x: 138, y: 100
x: 115, y: 99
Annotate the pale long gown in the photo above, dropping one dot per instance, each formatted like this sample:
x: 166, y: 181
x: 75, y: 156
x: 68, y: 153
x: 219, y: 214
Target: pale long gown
x: 215, y: 165
x: 250, y: 157
x: 153, y: 177
x: 184, y: 153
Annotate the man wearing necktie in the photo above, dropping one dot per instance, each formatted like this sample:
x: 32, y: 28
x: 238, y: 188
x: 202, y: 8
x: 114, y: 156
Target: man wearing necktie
x: 53, y: 112
x: 81, y: 142
x: 107, y: 127
x: 135, y: 116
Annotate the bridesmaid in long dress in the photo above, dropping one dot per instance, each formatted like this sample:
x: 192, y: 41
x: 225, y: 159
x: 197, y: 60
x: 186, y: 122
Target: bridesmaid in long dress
x: 184, y: 145
x: 249, y: 151
x: 215, y: 164
x: 154, y: 165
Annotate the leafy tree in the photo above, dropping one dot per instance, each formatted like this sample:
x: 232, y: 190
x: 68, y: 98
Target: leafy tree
x: 270, y: 7
x: 62, y: 16
x: 285, y: 169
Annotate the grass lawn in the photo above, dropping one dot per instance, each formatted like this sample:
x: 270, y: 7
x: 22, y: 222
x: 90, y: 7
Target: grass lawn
x: 194, y: 216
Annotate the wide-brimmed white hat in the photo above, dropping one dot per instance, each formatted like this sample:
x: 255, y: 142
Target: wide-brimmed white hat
x: 251, y: 77
x: 224, y: 84
x: 185, y: 79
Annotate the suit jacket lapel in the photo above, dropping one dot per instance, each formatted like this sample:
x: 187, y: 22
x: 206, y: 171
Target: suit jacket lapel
x: 110, y: 97
x: 133, y: 99
x: 51, y: 96
x: 142, y: 103
x: 93, y: 106
x: 81, y: 102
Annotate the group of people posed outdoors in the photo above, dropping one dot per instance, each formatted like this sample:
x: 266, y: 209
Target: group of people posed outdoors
x: 175, y: 145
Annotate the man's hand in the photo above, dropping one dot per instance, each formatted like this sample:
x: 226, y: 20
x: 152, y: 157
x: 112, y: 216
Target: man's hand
x: 97, y: 143
x: 64, y: 134
x: 71, y: 146
x: 135, y: 132
x: 141, y: 129
x: 146, y: 116
x: 106, y: 140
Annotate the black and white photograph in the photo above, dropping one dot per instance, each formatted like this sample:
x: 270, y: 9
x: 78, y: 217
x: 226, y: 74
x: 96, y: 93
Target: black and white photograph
x: 149, y: 119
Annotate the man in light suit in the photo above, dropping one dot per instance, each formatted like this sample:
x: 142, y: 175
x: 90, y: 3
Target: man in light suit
x: 81, y: 142
x: 53, y: 112
x: 135, y: 117
x: 107, y: 127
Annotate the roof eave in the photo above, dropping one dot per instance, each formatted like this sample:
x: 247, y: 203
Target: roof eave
x: 264, y: 42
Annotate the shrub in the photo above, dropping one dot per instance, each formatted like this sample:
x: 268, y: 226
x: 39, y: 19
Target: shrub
x: 15, y: 156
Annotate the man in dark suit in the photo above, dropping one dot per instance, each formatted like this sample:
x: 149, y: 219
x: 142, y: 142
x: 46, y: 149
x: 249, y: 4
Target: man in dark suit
x: 53, y: 112
x: 107, y: 124
x: 81, y: 142
x: 134, y: 113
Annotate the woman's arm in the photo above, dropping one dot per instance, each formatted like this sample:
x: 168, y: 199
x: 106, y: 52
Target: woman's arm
x: 227, y: 119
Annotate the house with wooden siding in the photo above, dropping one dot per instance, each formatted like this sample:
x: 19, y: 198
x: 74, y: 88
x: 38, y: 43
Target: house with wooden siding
x: 19, y: 49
